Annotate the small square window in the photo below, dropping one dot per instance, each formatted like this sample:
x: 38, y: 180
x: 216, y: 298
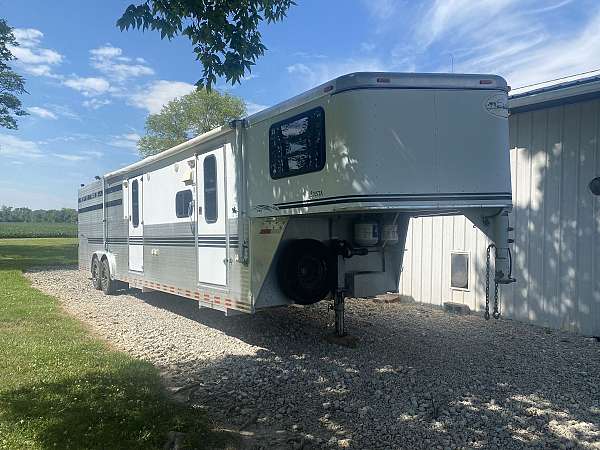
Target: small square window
x: 183, y: 201
x: 459, y: 270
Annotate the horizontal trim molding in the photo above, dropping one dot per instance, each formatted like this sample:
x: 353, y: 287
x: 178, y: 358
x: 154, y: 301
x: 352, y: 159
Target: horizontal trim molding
x: 99, y: 206
x: 554, y: 102
x: 115, y: 188
x: 386, y: 198
x: 217, y: 241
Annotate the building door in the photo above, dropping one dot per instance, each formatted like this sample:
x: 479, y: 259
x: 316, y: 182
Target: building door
x: 136, y: 224
x: 212, y: 222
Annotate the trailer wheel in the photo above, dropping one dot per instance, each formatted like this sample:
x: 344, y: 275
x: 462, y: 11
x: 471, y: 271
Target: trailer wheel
x: 96, y: 269
x: 108, y: 285
x: 306, y: 271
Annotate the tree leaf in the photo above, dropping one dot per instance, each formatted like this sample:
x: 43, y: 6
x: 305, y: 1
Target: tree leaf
x: 11, y: 83
x: 216, y: 28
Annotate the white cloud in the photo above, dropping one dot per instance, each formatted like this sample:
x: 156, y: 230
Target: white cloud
x: 28, y: 37
x: 520, y: 41
x: 93, y: 153
x: 551, y: 7
x: 250, y: 76
x: 381, y: 9
x: 14, y: 147
x: 96, y: 103
x: 72, y: 137
x: 41, y: 70
x: 313, y: 74
x: 458, y: 16
x: 108, y: 51
x: 158, y: 93
x: 70, y: 156
x: 308, y: 55
x: 252, y: 107
x: 89, y: 87
x: 42, y: 112
x: 110, y: 62
x: 127, y: 140
x: 62, y: 111
x: 578, y: 53
x: 36, y: 56
x: 34, y: 59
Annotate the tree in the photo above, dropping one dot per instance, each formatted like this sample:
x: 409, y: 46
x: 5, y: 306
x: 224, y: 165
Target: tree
x: 11, y: 84
x: 224, y: 33
x: 189, y: 116
x: 64, y: 215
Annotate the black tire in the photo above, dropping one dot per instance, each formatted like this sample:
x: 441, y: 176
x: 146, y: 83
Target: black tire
x: 96, y: 269
x: 108, y: 285
x: 306, y: 271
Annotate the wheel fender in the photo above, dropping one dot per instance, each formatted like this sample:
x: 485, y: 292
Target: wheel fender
x: 112, y: 261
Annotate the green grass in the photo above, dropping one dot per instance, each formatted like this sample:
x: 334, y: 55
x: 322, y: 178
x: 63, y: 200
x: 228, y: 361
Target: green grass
x: 35, y: 230
x: 62, y: 388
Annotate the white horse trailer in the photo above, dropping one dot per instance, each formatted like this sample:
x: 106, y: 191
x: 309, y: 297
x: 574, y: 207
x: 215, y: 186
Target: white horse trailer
x: 309, y: 199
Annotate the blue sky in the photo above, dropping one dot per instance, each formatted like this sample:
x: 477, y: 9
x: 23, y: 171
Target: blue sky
x: 91, y: 86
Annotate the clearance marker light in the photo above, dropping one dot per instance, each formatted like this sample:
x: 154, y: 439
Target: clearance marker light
x: 383, y: 80
x: 328, y: 88
x: 485, y: 81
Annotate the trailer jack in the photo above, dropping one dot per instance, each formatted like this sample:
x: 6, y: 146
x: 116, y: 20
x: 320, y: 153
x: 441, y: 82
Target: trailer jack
x: 339, y: 309
x: 343, y: 250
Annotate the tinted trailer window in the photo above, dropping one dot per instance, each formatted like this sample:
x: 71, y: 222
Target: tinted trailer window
x: 297, y: 144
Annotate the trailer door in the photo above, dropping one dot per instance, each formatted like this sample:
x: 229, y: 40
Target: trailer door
x: 136, y: 224
x: 212, y: 233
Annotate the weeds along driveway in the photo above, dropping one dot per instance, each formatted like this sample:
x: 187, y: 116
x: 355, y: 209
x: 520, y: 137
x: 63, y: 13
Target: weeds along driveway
x: 420, y: 378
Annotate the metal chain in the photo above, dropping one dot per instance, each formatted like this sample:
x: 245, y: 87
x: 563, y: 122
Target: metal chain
x: 496, y: 313
x: 486, y: 314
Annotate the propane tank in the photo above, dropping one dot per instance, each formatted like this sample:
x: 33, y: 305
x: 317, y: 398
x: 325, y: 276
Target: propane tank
x: 366, y: 233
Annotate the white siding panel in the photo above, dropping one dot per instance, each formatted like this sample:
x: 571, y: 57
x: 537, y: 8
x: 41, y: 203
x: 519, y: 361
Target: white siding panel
x: 437, y: 263
x: 568, y: 217
x: 518, y: 308
x: 535, y: 266
x: 554, y: 155
x: 595, y: 296
x: 447, y: 246
x: 585, y: 223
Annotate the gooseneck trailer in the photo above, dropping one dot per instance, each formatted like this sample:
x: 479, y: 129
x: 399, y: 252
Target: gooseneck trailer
x: 309, y: 199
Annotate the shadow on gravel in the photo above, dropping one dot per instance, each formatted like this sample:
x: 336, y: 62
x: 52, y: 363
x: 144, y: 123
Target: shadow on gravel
x: 419, y: 379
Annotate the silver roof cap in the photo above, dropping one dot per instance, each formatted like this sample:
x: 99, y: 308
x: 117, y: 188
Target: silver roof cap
x: 385, y: 80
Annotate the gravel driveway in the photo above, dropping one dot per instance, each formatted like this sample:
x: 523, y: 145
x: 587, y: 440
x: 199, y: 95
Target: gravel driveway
x: 419, y: 378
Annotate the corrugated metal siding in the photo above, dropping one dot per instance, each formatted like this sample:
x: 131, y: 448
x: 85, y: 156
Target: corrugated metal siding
x: 554, y: 155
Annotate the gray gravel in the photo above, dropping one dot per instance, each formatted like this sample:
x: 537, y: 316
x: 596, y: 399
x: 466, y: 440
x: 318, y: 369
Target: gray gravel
x: 419, y: 378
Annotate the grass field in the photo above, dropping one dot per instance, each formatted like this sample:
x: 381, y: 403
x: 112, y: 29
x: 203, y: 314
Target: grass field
x: 37, y: 230
x: 62, y: 388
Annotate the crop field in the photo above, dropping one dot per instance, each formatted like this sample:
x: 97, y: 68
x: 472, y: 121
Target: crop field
x: 37, y: 230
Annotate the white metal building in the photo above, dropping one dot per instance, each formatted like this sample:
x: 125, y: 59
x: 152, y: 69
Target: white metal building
x: 554, y: 149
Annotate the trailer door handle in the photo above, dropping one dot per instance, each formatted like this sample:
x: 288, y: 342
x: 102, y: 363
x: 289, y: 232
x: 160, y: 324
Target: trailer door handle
x: 199, y: 210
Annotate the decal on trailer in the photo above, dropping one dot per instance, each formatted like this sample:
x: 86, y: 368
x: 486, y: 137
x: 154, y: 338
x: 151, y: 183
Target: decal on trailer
x: 497, y: 105
x: 315, y: 194
x: 272, y: 225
